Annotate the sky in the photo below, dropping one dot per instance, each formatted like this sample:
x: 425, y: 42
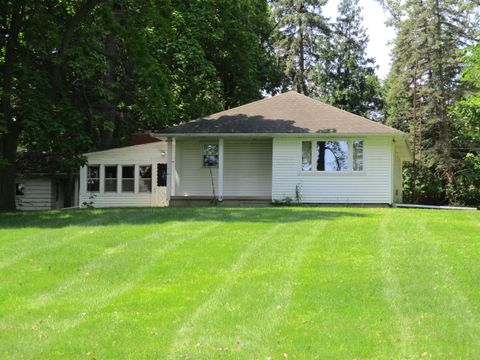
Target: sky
x: 374, y: 18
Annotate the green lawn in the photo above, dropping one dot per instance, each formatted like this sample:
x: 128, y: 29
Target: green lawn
x: 248, y: 283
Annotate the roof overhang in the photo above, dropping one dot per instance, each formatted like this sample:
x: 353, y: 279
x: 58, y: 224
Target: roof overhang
x: 271, y: 135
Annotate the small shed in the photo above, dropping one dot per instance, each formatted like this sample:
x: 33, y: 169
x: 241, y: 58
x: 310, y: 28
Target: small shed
x: 38, y: 186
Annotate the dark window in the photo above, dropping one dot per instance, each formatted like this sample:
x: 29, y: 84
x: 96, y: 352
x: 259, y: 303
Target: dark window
x: 332, y: 155
x: 111, y: 178
x: 161, y: 174
x: 145, y: 179
x: 128, y: 178
x: 93, y: 178
x: 210, y: 155
x: 19, y: 189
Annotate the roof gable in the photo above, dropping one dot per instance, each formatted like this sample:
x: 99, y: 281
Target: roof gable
x: 287, y: 113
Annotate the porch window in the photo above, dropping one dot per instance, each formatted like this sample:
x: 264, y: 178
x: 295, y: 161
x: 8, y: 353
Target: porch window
x: 145, y: 179
x: 332, y: 156
x: 93, y: 178
x: 357, y: 155
x: 111, y: 178
x: 307, y: 156
x: 210, y: 155
x: 128, y: 178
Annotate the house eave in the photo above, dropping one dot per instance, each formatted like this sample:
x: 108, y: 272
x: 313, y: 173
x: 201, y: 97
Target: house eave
x: 271, y: 135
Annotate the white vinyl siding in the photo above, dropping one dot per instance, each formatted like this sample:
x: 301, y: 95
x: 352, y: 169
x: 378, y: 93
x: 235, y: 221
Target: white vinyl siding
x: 372, y: 185
x: 39, y: 194
x: 247, y: 168
x: 147, y: 154
x: 397, y: 180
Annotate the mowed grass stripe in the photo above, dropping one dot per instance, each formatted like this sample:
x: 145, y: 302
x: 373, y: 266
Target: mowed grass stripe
x: 335, y: 283
x: 102, y: 282
x: 433, y: 313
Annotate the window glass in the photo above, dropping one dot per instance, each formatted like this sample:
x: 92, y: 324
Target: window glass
x: 111, y: 178
x: 332, y: 155
x: 210, y: 155
x: 93, y: 178
x: 357, y: 155
x: 307, y: 156
x: 161, y: 174
x: 19, y: 189
x: 145, y: 180
x: 128, y: 178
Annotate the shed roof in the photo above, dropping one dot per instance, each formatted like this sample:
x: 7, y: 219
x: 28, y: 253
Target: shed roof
x: 287, y: 113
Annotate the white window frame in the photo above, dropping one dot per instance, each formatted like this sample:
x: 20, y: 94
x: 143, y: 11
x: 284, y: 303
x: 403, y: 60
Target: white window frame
x: 349, y: 170
x: 122, y: 178
x: 88, y: 178
x: 202, y: 147
x: 105, y: 178
x: 363, y: 155
x: 140, y: 178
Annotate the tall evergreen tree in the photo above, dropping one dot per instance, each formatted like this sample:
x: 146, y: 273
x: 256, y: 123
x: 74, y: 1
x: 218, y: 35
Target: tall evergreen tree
x: 424, y: 83
x: 301, y: 32
x: 346, y: 76
x: 467, y: 126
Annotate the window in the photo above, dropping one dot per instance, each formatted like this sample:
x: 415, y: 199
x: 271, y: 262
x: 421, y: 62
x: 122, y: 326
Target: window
x: 19, y: 189
x: 145, y: 180
x: 128, y: 178
x: 111, y: 178
x: 210, y: 155
x: 161, y: 174
x: 307, y: 156
x: 357, y: 155
x: 332, y: 155
x: 93, y: 178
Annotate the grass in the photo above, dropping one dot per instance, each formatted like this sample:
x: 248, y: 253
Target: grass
x: 240, y: 283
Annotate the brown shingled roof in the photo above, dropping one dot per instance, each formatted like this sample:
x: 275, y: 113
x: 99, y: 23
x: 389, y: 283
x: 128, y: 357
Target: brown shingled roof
x: 289, y: 112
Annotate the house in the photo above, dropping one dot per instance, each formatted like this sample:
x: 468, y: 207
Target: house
x: 286, y: 146
x: 39, y: 186
x: 127, y: 176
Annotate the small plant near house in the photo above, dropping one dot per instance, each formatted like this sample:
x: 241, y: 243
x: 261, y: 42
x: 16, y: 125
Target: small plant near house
x: 298, y: 193
x: 285, y: 201
x: 89, y: 204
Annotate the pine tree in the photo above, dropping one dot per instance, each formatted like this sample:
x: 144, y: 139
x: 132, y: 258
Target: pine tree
x: 346, y: 76
x: 302, y: 30
x: 424, y: 83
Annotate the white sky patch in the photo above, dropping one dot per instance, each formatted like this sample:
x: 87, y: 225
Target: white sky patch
x: 380, y: 35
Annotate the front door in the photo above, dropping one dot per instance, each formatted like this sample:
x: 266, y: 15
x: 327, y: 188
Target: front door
x: 160, y: 188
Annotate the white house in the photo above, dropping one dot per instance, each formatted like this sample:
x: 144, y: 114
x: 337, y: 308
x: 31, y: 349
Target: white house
x: 286, y: 146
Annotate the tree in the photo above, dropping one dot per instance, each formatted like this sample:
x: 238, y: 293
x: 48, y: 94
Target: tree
x: 80, y: 76
x: 301, y: 33
x: 346, y: 77
x: 423, y: 84
x: 467, y: 126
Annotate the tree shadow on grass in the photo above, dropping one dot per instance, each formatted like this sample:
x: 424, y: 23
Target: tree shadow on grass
x: 151, y: 216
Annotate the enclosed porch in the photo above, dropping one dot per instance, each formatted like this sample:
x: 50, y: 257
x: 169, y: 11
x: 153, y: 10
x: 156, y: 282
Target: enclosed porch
x: 228, y: 170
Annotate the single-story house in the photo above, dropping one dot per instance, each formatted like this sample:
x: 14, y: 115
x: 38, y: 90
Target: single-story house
x: 287, y: 146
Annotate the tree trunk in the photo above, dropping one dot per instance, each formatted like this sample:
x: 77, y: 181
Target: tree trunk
x: 8, y: 145
x: 300, y: 81
x: 9, y: 139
